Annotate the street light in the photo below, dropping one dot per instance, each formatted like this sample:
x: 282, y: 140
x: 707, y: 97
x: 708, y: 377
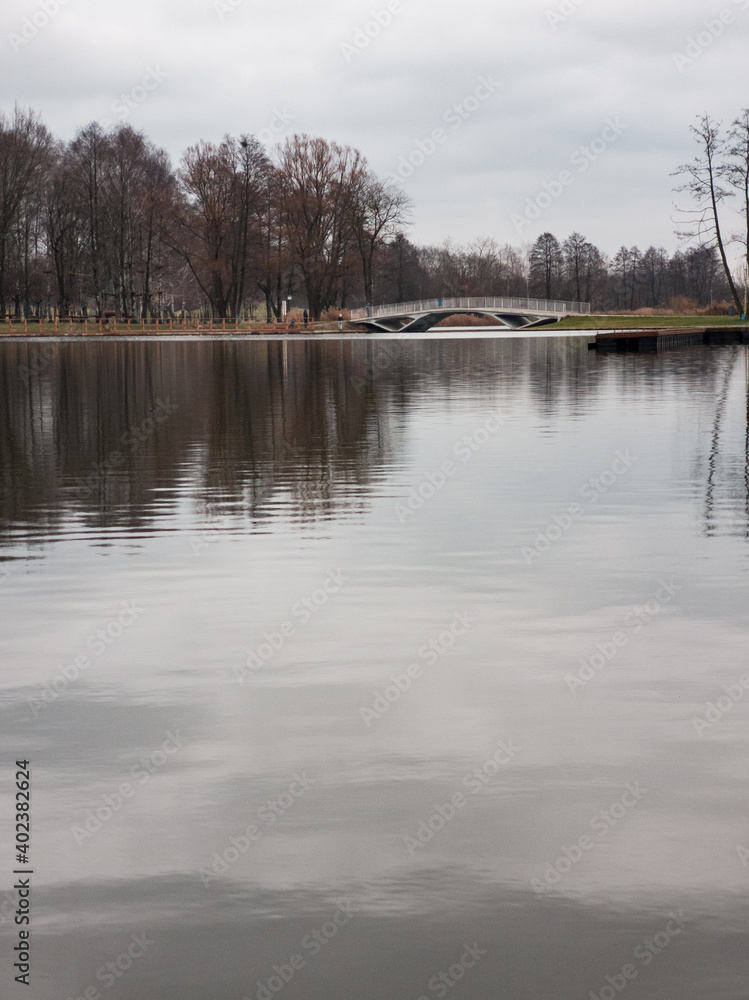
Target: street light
x: 49, y: 307
x: 78, y: 275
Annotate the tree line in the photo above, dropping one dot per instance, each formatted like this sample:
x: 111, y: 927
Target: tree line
x: 106, y: 224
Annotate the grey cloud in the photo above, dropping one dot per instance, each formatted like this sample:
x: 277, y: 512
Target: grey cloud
x: 229, y: 69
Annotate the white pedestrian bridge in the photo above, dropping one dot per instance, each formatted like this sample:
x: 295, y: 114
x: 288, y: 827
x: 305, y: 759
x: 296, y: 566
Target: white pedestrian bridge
x: 418, y: 317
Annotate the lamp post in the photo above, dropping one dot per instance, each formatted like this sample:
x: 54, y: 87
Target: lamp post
x: 142, y: 273
x: 49, y: 305
x: 77, y: 275
x: 157, y: 277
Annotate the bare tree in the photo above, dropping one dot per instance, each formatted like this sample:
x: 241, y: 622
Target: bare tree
x: 124, y: 189
x: 89, y: 151
x: 703, y: 272
x: 654, y: 272
x: 318, y: 185
x: 738, y: 175
x: 623, y: 267
x: 379, y: 211
x: 64, y: 224
x: 703, y: 185
x: 576, y: 251
x: 274, y: 271
x: 487, y: 267
x: 482, y: 267
x: 25, y: 145
x: 400, y: 271
x: 546, y: 264
x: 217, y: 219
x: 595, y: 271
x: 107, y: 218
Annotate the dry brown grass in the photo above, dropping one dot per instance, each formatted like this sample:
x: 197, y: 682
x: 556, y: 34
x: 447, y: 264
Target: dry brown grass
x: 469, y: 320
x: 331, y: 315
x: 715, y: 309
x: 650, y: 311
x: 678, y: 306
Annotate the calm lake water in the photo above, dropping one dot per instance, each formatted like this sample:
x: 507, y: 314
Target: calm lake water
x: 377, y: 669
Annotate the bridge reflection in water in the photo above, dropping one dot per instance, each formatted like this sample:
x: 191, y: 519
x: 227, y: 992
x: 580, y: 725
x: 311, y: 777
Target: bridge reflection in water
x: 418, y: 317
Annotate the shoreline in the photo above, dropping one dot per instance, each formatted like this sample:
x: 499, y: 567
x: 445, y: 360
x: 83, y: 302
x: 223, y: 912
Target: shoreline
x: 448, y: 333
x: 658, y: 326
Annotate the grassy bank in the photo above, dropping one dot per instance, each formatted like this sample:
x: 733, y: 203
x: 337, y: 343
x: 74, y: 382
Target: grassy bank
x: 64, y: 328
x: 582, y: 323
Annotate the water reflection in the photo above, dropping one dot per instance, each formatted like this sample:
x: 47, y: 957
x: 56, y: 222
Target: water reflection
x: 115, y: 434
x: 215, y: 488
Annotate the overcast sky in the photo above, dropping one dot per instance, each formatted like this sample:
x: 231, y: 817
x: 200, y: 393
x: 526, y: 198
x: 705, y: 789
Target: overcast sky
x: 516, y: 92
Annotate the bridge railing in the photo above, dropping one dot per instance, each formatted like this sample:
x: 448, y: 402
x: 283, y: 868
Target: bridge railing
x: 500, y: 303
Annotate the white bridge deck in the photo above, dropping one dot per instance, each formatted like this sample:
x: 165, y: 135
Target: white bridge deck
x: 420, y: 316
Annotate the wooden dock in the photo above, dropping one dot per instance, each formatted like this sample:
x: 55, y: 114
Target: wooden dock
x: 664, y: 339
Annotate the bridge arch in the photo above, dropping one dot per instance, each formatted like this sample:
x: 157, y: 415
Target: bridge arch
x: 418, y: 317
